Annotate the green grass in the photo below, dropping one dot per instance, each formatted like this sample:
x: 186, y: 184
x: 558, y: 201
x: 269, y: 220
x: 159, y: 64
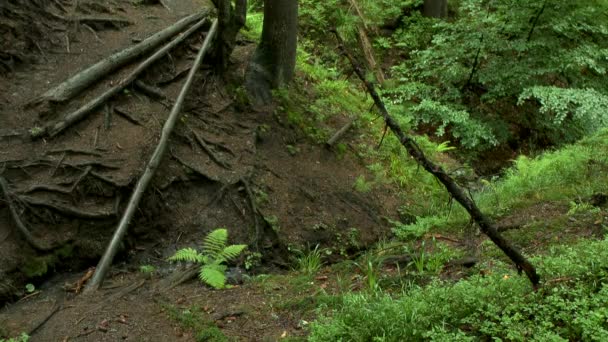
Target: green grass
x: 198, y: 321
x: 570, y: 306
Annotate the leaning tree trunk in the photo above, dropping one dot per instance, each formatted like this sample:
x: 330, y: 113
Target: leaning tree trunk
x: 435, y: 8
x: 274, y: 61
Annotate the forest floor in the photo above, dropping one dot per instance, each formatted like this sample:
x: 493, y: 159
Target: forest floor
x: 72, y: 188
x: 258, y: 175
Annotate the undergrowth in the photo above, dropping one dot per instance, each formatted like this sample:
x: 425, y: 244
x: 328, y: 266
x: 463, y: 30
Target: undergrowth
x: 570, y: 306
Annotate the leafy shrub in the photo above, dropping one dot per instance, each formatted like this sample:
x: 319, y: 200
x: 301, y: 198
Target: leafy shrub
x: 212, y: 258
x: 473, y: 77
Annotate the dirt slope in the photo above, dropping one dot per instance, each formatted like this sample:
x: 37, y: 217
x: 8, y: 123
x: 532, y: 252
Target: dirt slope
x: 228, y: 166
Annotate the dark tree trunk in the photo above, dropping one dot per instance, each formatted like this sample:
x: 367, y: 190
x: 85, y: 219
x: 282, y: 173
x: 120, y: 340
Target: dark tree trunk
x: 230, y: 20
x: 435, y: 8
x: 274, y: 61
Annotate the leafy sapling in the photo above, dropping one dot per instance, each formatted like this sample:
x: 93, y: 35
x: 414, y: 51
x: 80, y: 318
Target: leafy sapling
x: 212, y: 258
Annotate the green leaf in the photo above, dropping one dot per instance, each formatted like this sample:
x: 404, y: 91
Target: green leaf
x: 215, y: 242
x: 212, y: 276
x: 233, y: 251
x: 188, y: 254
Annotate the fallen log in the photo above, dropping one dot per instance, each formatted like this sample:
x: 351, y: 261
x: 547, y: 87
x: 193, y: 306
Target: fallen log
x: 82, y: 80
x: 69, y: 119
x: 155, y: 160
x: 484, y: 222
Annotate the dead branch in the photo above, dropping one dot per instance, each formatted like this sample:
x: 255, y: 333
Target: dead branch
x: 74, y: 151
x: 155, y: 160
x: 127, y: 116
x: 340, y: 133
x: 149, y: 90
x: 82, y: 112
x: 20, y: 226
x: 48, y: 316
x: 485, y: 223
x: 84, y: 79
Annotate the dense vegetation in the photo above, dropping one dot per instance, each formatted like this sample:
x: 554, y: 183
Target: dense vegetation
x: 527, y: 78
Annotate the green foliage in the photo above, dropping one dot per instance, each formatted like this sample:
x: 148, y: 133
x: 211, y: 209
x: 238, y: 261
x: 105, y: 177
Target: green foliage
x: 147, y: 270
x: 471, y: 77
x: 194, y: 318
x: 212, y: 258
x: 21, y: 338
x: 253, y: 27
x: 501, y: 305
x: 362, y: 185
x: 29, y: 288
x: 309, y: 262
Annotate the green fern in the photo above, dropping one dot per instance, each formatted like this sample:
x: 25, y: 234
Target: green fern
x: 212, y: 258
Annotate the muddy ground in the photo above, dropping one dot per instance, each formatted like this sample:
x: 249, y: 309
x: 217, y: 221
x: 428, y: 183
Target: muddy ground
x: 227, y: 166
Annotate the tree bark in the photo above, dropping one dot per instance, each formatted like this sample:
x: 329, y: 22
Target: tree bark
x: 435, y: 8
x: 231, y: 20
x: 274, y: 60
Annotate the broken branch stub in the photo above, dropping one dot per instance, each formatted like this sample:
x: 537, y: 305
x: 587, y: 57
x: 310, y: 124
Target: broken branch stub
x: 84, y: 79
x: 484, y: 222
x: 151, y: 167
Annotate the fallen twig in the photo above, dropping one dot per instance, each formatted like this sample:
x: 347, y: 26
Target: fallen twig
x: 127, y: 116
x: 46, y: 319
x: 155, y: 160
x: 82, y: 80
x: 340, y: 133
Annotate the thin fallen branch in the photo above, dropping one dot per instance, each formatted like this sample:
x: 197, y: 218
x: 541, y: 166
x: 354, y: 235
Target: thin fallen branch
x: 155, y: 160
x: 127, y: 116
x: 82, y: 80
x: 340, y: 133
x: 82, y: 112
x: 485, y: 223
x: 22, y: 228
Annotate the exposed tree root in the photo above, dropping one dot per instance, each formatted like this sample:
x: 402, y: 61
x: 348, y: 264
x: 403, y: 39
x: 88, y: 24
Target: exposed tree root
x: 67, y: 210
x: 20, y: 226
x: 207, y: 150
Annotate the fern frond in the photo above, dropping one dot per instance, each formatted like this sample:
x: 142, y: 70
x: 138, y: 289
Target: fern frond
x: 231, y: 252
x: 215, y: 242
x: 213, y: 275
x: 187, y: 254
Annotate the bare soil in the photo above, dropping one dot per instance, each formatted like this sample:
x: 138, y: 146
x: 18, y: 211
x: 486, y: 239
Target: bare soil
x: 258, y: 176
